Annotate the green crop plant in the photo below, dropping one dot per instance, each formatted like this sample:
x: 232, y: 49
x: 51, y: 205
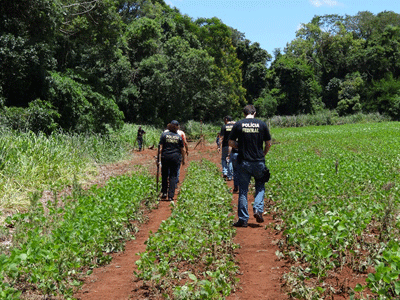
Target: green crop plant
x: 336, y: 190
x: 191, y: 255
x: 52, y: 247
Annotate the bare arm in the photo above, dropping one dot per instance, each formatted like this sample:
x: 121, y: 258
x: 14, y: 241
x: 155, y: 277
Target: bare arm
x: 233, y: 144
x: 187, y: 148
x: 267, y: 147
x: 183, y: 155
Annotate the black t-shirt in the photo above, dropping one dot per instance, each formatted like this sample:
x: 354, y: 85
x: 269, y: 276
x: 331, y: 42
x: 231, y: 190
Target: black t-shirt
x: 250, y: 134
x: 140, y: 133
x: 172, y: 144
x: 225, y: 132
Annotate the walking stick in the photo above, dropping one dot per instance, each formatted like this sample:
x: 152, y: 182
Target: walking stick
x: 158, y: 166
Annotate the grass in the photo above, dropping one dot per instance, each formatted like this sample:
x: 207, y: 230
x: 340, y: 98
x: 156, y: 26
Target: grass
x: 323, y: 118
x: 31, y: 162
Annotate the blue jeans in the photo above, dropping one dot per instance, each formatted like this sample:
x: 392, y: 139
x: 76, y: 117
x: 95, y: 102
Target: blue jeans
x: 234, y: 160
x: 247, y: 169
x: 227, y: 168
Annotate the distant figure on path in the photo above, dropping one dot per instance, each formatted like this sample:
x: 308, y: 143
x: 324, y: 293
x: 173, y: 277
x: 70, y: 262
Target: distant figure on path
x: 140, y: 134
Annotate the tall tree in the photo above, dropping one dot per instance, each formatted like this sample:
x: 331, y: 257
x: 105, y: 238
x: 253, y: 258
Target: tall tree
x: 26, y: 48
x: 254, y: 65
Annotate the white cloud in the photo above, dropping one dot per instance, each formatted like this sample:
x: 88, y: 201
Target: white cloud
x: 169, y: 2
x: 319, y: 3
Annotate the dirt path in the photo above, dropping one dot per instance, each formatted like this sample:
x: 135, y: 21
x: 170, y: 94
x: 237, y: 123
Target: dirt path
x: 260, y: 269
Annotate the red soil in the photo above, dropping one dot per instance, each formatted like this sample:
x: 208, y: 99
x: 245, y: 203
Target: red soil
x: 260, y: 269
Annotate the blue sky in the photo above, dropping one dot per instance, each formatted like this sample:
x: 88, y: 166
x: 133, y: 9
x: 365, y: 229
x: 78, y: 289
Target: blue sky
x: 273, y: 23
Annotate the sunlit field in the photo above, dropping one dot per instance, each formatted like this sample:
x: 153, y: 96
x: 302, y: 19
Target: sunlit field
x: 30, y: 162
x: 336, y: 189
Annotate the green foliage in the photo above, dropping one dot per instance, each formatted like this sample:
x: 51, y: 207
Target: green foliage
x: 181, y: 78
x: 51, y: 249
x: 254, y: 66
x: 156, y: 64
x: 384, y: 96
x: 26, y: 48
x: 198, y: 233
x: 128, y: 135
x: 340, y: 191
x: 15, y: 118
x: 194, y: 130
x: 31, y: 162
x: 297, y: 86
x: 266, y: 105
x: 81, y: 109
x: 39, y: 117
x: 143, y: 38
x: 351, y: 58
x: 326, y: 117
x: 349, y: 97
x: 42, y: 117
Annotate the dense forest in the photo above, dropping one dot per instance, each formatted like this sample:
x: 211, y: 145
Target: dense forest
x: 91, y: 65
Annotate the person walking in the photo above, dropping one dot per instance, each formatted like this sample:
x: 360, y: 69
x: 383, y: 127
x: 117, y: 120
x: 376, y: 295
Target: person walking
x: 140, y: 134
x: 252, y: 138
x: 172, y: 155
x: 185, y: 144
x: 218, y: 142
x: 233, y: 157
x: 227, y: 169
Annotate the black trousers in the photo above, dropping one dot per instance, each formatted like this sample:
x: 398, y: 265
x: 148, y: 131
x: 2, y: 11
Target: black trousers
x: 169, y: 173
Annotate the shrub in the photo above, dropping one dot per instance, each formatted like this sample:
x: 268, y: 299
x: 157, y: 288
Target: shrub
x: 81, y: 109
x: 42, y: 117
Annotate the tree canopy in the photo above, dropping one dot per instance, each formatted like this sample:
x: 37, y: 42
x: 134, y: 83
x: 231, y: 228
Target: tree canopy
x: 90, y: 65
x: 347, y: 63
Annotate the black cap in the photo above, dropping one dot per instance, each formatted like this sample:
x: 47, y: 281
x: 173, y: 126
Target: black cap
x: 174, y: 122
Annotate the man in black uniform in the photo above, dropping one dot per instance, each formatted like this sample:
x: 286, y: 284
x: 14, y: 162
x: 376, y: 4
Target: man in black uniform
x: 248, y: 136
x: 227, y: 168
x: 140, y: 134
x: 172, y: 154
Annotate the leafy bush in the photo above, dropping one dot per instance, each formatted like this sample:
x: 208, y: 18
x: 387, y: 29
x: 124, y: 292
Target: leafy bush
x: 266, y: 105
x: 15, y: 118
x: 198, y: 233
x: 40, y: 116
x: 80, y: 108
x: 384, y: 96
